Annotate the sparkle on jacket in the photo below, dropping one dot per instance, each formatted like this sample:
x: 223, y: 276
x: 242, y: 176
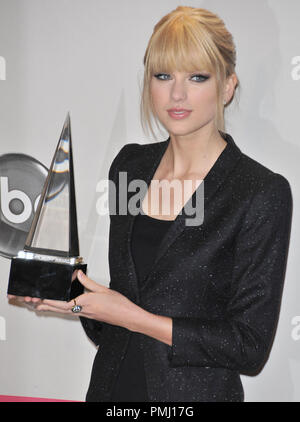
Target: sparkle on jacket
x: 220, y: 282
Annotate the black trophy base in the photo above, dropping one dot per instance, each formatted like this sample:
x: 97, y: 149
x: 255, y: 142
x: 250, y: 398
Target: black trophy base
x: 46, y: 280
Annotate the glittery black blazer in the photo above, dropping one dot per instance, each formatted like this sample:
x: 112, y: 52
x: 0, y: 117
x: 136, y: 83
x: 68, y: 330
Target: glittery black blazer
x: 220, y: 282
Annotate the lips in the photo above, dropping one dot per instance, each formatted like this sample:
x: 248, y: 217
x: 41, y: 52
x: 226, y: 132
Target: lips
x: 179, y: 113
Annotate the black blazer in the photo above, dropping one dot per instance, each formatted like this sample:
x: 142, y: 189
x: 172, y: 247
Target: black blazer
x: 220, y: 282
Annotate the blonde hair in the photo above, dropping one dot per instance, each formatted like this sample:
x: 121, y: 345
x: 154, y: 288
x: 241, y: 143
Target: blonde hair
x: 188, y: 39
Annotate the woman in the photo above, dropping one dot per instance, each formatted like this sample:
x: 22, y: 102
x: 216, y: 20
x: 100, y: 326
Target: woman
x: 190, y: 306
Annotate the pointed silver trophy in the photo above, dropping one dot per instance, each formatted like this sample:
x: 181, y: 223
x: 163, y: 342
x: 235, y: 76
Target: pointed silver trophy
x: 47, y: 266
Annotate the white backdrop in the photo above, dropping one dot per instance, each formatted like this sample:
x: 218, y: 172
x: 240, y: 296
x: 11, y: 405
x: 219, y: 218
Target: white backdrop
x: 85, y: 56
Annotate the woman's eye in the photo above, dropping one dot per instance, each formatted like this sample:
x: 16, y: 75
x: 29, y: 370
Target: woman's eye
x: 162, y: 76
x: 199, y: 78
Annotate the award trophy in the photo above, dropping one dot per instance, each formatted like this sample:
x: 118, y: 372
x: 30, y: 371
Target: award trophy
x: 47, y: 266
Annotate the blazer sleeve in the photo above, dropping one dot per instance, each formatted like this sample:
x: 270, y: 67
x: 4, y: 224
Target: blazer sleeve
x: 242, y: 339
x: 93, y: 327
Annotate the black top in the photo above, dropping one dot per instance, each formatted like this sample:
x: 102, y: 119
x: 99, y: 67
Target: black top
x: 147, y: 235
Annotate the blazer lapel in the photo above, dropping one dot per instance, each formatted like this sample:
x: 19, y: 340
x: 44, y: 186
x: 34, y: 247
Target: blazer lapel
x: 146, y: 169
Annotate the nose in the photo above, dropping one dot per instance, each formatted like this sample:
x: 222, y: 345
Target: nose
x: 178, y: 90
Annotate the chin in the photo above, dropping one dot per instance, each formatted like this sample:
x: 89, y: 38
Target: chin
x: 184, y: 129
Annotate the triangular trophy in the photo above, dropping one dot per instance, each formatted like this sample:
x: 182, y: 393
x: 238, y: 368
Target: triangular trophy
x: 47, y: 266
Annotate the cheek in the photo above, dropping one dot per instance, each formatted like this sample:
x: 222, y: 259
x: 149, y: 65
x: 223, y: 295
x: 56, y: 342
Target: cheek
x: 206, y: 98
x: 158, y: 95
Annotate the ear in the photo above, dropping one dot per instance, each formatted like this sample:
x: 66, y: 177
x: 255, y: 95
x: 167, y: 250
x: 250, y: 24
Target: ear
x: 230, y: 85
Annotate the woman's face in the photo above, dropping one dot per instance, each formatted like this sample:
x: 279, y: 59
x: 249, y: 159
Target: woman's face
x: 184, y: 102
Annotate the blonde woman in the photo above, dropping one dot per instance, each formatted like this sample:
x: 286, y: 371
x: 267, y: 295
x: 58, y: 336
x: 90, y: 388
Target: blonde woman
x: 190, y: 306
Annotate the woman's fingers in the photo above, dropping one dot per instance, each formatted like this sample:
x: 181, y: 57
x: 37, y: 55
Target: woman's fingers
x: 36, y: 300
x: 45, y: 307
x: 85, y: 300
x: 89, y: 284
x: 54, y: 305
x: 26, y: 299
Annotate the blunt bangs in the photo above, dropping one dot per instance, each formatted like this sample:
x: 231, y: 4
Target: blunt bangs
x: 185, y: 48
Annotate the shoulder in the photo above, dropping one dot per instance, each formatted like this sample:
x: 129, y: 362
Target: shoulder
x: 254, y: 178
x: 130, y: 153
x: 265, y: 193
x: 137, y: 149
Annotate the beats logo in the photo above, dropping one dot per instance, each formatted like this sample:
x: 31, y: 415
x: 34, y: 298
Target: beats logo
x: 21, y: 182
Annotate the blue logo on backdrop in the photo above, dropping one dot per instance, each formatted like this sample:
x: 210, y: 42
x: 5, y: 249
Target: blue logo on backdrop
x: 21, y: 182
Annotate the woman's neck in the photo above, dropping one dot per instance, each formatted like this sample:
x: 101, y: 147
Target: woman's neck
x: 192, y: 155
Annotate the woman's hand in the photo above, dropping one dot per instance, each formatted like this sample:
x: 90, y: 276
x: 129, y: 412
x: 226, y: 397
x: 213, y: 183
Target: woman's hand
x: 99, y: 303
x: 107, y: 305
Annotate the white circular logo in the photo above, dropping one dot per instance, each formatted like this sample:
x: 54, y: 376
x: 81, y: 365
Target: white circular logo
x: 21, y: 181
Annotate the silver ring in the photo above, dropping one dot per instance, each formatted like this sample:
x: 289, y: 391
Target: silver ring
x: 76, y: 308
